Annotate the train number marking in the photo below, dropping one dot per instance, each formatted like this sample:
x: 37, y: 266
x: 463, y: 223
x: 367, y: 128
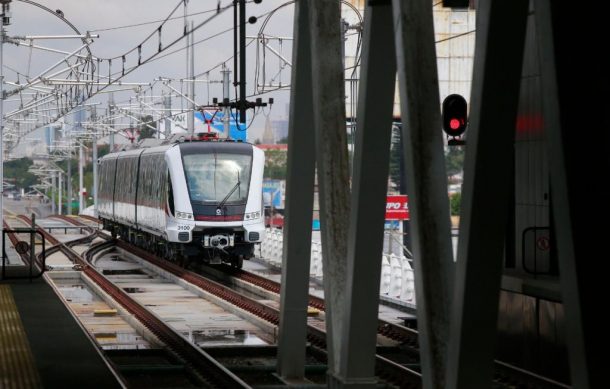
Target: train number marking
x: 184, y: 228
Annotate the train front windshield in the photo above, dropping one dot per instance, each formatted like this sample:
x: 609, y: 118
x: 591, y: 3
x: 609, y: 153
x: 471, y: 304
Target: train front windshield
x: 217, y: 177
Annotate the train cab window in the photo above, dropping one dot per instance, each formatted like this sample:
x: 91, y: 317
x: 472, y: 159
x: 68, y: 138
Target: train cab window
x: 213, y: 177
x: 170, y: 195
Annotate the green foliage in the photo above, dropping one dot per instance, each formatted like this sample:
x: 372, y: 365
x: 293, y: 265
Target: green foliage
x: 16, y: 172
x: 454, y: 160
x: 455, y: 203
x: 275, y: 164
x: 145, y: 127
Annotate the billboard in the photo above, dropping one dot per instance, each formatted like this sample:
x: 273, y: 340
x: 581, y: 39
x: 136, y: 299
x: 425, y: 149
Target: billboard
x: 397, y: 207
x: 211, y: 121
x: 273, y: 193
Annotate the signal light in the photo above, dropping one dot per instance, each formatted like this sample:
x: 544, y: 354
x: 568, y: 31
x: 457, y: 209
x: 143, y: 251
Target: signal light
x: 455, y: 117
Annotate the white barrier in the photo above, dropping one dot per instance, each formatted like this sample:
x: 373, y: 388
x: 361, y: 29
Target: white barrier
x: 397, y: 277
x: 386, y: 275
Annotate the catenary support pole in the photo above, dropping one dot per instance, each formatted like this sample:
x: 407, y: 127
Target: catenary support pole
x: 191, y: 76
x: 59, y: 197
x: 53, y: 192
x: 2, y: 34
x: 81, y: 162
x: 111, y: 112
x: 94, y: 162
x: 226, y: 94
x: 69, y: 180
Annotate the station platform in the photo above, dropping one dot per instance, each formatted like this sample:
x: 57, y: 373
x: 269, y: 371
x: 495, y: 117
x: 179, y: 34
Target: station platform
x: 42, y: 345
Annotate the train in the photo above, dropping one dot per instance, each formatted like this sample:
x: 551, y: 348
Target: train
x: 198, y: 200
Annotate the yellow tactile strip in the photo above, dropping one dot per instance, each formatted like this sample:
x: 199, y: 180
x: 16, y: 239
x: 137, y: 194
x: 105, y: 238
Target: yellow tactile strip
x: 17, y: 367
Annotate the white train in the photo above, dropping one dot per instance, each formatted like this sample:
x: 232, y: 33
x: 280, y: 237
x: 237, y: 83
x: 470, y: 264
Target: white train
x: 199, y: 200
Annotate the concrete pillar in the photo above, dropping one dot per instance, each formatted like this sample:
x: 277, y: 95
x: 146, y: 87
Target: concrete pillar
x: 574, y: 97
x: 370, y: 182
x: 299, y: 207
x: 426, y: 183
x: 332, y: 162
x: 486, y: 197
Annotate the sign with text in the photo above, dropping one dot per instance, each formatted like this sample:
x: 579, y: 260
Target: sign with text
x: 397, y: 207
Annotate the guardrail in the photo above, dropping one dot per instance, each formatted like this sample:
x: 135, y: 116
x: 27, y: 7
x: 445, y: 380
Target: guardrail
x: 397, y: 276
x: 26, y: 250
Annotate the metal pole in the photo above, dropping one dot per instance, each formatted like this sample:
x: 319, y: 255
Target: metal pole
x: 59, y: 200
x: 242, y: 61
x: 226, y: 94
x: 53, y: 193
x: 93, y: 119
x: 168, y: 106
x: 191, y: 75
x: 2, y: 32
x: 32, y: 244
x: 69, y: 184
x: 94, y: 176
x: 111, y: 113
x: 80, y: 178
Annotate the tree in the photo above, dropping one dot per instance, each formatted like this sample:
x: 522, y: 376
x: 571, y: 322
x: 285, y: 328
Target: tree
x: 454, y: 160
x: 455, y: 203
x: 275, y: 164
x: 145, y: 127
x: 17, y: 171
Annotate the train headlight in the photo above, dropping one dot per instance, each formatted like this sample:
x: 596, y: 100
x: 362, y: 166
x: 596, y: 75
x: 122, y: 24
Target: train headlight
x: 252, y: 215
x: 184, y: 215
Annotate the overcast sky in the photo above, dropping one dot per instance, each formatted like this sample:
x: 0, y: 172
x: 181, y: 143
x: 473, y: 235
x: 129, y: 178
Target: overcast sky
x: 89, y: 15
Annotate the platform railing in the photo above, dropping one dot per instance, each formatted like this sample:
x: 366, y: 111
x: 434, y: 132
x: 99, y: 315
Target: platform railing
x: 27, y: 251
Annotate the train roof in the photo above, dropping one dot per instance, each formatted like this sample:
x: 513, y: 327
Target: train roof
x: 189, y: 147
x: 215, y: 147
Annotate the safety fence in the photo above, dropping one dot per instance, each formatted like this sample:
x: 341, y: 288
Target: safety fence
x: 397, y: 277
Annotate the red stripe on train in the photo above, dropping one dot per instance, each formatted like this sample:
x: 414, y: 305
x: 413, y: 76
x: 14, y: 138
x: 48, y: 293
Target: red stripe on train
x: 219, y: 218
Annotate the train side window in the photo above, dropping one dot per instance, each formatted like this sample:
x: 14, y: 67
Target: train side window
x: 170, y: 194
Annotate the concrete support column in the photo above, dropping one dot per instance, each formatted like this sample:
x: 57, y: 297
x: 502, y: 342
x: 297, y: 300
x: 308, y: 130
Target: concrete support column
x: 299, y: 206
x: 332, y: 162
x: 426, y: 182
x: 498, y: 61
x: 369, y: 189
x: 574, y: 96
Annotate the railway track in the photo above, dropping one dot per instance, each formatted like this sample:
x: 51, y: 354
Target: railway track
x: 207, y: 369
x: 505, y: 376
x: 385, y: 368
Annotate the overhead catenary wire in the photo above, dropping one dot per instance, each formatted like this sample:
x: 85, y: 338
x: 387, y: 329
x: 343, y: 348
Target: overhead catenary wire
x: 63, y: 99
x: 153, y: 21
